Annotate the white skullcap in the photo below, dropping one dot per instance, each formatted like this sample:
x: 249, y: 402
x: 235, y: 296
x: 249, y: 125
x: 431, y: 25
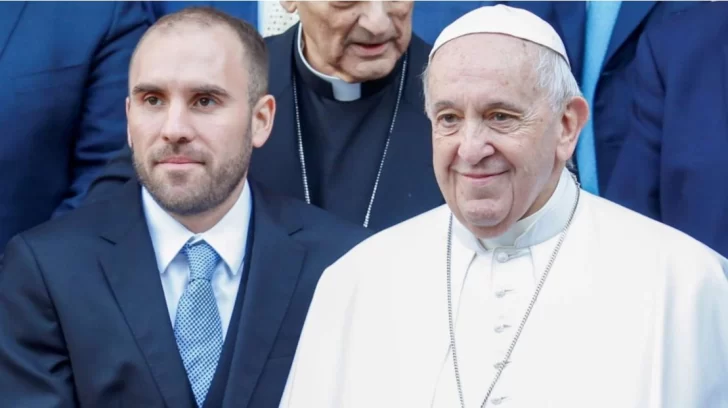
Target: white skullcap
x: 501, y: 19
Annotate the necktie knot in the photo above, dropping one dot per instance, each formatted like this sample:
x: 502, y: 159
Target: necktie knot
x: 202, y: 259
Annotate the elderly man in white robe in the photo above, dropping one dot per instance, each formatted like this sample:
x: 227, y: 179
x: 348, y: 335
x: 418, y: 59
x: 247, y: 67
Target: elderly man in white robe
x: 523, y: 290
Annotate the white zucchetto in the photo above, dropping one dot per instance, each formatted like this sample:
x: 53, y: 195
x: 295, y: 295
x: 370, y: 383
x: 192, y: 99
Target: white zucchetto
x: 501, y: 19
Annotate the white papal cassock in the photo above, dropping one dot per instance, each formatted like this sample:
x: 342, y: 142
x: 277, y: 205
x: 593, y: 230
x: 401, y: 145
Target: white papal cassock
x: 633, y: 314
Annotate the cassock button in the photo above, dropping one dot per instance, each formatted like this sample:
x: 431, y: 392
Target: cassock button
x: 502, y: 257
x: 499, y: 329
x: 499, y: 294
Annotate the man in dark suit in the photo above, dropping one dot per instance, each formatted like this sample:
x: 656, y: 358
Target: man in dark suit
x: 673, y: 165
x: 189, y: 289
x: 350, y: 135
x: 63, y: 69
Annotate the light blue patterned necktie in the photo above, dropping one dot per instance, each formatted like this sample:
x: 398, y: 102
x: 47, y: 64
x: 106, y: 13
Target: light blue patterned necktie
x: 197, y: 326
x: 600, y: 19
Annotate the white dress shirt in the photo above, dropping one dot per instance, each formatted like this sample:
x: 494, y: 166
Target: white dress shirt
x: 228, y: 237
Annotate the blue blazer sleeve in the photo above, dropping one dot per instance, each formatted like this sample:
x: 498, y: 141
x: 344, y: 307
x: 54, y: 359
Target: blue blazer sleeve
x: 103, y: 118
x: 35, y: 368
x: 636, y: 178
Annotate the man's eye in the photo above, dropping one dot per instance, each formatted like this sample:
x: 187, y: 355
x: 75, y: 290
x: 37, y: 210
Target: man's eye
x: 152, y: 100
x: 205, y: 102
x: 500, y: 116
x: 448, y: 118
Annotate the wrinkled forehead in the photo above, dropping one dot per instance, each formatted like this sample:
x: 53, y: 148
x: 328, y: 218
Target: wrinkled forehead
x: 484, y: 63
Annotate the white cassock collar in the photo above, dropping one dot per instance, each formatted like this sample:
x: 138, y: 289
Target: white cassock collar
x: 342, y: 90
x: 539, y: 227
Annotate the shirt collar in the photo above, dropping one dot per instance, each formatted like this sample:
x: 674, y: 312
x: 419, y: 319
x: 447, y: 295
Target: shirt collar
x: 539, y: 227
x: 228, y: 237
x: 343, y: 91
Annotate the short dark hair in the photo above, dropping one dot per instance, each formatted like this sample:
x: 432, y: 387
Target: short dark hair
x: 253, y: 44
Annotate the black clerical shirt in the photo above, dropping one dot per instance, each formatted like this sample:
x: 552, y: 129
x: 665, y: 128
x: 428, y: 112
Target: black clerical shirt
x: 343, y: 141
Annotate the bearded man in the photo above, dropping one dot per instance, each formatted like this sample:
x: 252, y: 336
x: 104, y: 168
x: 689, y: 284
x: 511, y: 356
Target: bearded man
x: 188, y: 281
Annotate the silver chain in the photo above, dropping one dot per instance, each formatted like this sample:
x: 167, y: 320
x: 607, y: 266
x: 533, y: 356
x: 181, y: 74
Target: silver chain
x: 501, y: 365
x: 302, y: 156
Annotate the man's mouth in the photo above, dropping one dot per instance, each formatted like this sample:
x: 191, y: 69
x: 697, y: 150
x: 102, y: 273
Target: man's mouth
x: 371, y: 49
x: 178, y: 161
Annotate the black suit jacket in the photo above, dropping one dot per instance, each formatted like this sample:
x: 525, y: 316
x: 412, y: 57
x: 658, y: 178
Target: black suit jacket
x: 407, y: 186
x: 85, y: 323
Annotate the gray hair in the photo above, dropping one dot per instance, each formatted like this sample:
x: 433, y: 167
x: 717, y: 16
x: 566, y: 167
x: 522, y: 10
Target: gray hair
x: 556, y: 78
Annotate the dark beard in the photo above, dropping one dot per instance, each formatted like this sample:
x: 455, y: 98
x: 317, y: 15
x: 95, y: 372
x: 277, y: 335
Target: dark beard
x: 222, y: 183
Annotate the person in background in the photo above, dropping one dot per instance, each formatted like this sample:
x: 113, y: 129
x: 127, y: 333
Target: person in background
x: 524, y: 290
x: 350, y: 135
x: 190, y: 287
x: 63, y: 69
x: 673, y: 165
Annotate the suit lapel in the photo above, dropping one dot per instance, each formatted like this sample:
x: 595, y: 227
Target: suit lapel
x: 131, y: 270
x: 629, y: 18
x: 9, y: 16
x: 276, y: 262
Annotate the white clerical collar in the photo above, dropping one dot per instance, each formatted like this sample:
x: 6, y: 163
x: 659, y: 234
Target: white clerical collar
x: 228, y: 237
x: 539, y: 227
x: 343, y: 91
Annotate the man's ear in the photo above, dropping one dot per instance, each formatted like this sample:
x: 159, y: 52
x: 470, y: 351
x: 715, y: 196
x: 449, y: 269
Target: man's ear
x: 263, y: 113
x: 289, y: 6
x: 128, y: 135
x: 573, y: 120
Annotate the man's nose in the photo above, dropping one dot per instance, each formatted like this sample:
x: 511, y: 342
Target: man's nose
x: 375, y: 18
x: 177, y: 126
x: 476, y: 144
